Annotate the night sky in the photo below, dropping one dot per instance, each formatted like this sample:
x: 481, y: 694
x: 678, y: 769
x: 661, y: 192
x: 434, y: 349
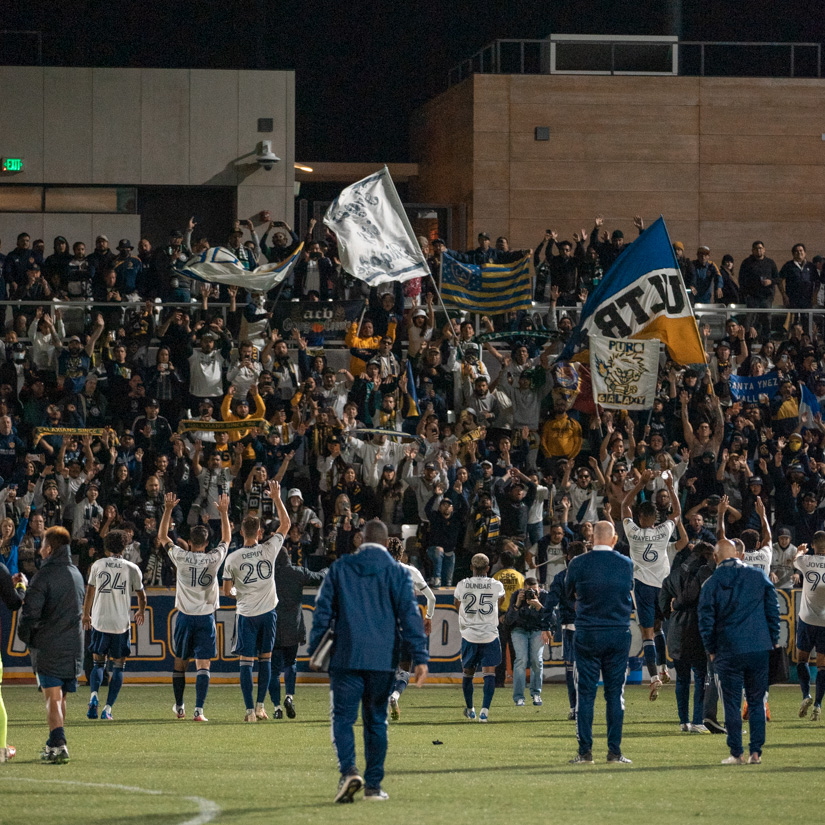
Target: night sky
x: 362, y: 67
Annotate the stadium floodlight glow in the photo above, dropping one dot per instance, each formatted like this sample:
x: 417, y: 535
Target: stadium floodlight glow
x: 303, y: 168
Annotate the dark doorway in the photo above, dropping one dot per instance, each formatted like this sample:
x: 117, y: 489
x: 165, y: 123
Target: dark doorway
x: 165, y: 208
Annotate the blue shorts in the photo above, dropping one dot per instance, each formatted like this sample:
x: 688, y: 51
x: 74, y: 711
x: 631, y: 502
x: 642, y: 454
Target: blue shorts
x: 568, y: 646
x: 254, y: 634
x: 114, y: 645
x: 195, y: 637
x: 647, y: 603
x: 480, y: 654
x: 67, y: 685
x: 810, y: 637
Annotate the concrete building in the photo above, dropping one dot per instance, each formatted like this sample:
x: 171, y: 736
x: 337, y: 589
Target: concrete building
x: 131, y: 152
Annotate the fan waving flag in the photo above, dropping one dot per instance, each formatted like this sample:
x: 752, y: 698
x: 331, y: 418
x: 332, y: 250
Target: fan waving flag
x: 376, y: 242
x: 490, y: 288
x: 810, y: 410
x: 219, y: 265
x: 642, y: 296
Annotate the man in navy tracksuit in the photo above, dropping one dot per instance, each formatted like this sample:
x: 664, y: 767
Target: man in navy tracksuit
x: 600, y: 582
x: 370, y: 598
x: 555, y: 595
x: 739, y: 623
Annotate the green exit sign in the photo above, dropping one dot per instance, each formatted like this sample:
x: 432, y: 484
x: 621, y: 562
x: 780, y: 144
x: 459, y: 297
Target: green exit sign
x: 12, y: 164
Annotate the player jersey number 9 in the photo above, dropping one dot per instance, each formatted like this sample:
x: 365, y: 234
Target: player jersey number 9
x: 813, y: 578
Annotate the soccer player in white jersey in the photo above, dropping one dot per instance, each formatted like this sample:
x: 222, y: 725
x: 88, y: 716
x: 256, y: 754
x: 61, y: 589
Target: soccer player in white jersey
x: 648, y: 550
x: 420, y: 588
x: 478, y: 600
x: 107, y: 612
x: 196, y: 600
x: 758, y: 552
x: 810, y: 624
x: 250, y: 571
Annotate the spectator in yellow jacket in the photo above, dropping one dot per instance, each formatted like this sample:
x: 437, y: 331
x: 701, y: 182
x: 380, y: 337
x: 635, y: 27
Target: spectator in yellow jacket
x: 364, y: 346
x: 242, y: 414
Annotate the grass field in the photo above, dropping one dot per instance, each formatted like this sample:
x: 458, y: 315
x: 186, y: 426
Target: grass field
x: 513, y: 767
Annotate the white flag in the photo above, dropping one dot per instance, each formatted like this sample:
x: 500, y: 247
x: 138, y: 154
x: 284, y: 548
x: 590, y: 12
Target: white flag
x: 219, y: 265
x: 375, y: 239
x: 623, y: 372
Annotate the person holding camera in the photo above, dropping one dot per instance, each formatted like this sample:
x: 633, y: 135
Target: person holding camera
x: 527, y: 621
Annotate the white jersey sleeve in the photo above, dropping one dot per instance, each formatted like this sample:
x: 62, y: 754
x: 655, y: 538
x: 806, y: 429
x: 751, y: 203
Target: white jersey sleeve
x: 648, y: 550
x: 421, y: 588
x: 760, y: 558
x: 252, y: 569
x: 478, y: 599
x: 812, y: 603
x: 114, y: 580
x: 196, y: 589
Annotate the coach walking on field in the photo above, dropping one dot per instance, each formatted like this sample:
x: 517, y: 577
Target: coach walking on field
x: 368, y: 597
x: 600, y: 583
x: 739, y: 623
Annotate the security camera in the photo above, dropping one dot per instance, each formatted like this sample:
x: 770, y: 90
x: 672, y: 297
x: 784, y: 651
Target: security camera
x: 266, y: 157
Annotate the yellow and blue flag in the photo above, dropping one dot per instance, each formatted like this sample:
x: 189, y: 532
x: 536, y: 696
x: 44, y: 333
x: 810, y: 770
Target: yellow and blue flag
x: 412, y: 393
x: 490, y: 288
x: 641, y: 296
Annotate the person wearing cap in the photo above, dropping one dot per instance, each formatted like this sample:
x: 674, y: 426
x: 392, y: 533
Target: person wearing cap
x: 56, y: 266
x: 363, y: 343
x: 707, y: 285
x: 685, y: 265
x: 486, y: 253
x: 248, y: 258
x: 785, y: 409
x: 74, y: 360
x: 783, y: 553
x: 424, y: 485
x: 610, y: 249
x: 33, y: 287
x: 206, y: 369
x: 169, y: 283
x: 129, y: 270
x: 14, y: 266
x: 88, y: 514
x: 730, y: 289
x: 101, y: 259
x: 241, y: 413
x: 421, y: 328
x: 152, y: 431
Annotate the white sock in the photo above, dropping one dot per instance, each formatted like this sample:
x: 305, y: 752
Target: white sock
x: 107, y: 707
x: 289, y: 696
x: 395, y: 695
x: 93, y: 696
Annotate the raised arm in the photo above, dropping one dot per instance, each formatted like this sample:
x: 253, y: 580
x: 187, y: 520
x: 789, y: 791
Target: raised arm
x: 763, y: 517
x: 226, y: 527
x: 170, y: 501
x: 283, y: 516
x: 687, y: 428
x: 721, y: 509
x: 627, y: 501
x: 676, y: 504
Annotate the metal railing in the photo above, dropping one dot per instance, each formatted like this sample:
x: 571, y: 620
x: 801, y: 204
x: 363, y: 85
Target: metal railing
x: 531, y: 56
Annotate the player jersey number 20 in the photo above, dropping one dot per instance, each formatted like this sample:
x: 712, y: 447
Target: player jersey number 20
x: 263, y: 568
x: 485, y: 604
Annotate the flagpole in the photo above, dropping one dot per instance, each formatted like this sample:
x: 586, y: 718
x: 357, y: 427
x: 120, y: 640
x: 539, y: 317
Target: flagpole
x: 444, y: 309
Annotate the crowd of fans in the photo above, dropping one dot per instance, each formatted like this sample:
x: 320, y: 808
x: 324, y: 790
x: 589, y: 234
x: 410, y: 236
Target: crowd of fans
x: 473, y: 448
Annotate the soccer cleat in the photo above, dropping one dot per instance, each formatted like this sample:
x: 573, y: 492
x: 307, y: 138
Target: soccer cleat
x: 47, y: 754
x: 250, y: 716
x: 278, y: 713
x: 655, y: 685
x: 745, y: 713
x: 664, y: 675
x: 571, y: 715
x: 470, y: 713
x: 7, y: 754
x: 754, y: 759
x: 289, y: 707
x: 537, y: 700
x: 395, y: 711
x: 685, y: 728
x: 483, y: 714
x: 375, y: 795
x: 348, y: 786
x: 816, y: 714
x: 106, y: 714
x: 198, y: 716
x: 91, y: 713
x: 713, y: 726
x: 519, y: 703
x: 618, y: 759
x: 697, y: 729
x: 734, y: 760
x: 60, y: 755
x: 582, y: 759
x: 803, y: 708
x: 260, y: 711
x: 179, y: 711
